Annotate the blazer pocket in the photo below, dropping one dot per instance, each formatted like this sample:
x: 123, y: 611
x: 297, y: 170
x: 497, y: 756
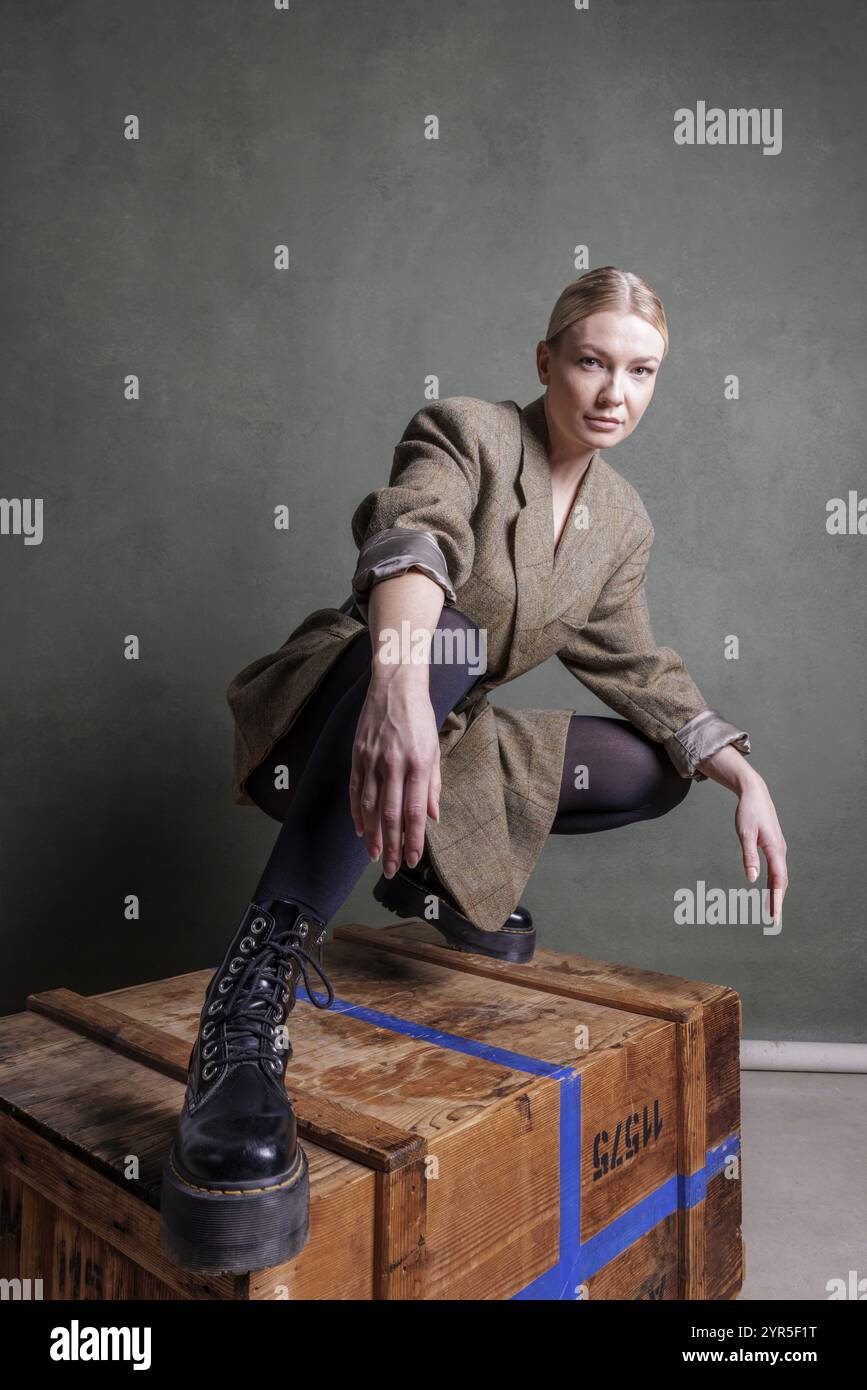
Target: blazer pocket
x: 575, y: 616
x: 473, y: 713
x: 589, y: 586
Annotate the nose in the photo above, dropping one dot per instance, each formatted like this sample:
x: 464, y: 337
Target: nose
x: 611, y: 392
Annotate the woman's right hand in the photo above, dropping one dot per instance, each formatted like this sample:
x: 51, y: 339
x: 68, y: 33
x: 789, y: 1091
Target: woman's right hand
x: 395, y: 781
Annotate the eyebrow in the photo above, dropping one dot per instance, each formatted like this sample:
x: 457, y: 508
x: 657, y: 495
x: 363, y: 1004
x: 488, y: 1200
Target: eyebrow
x: 599, y: 353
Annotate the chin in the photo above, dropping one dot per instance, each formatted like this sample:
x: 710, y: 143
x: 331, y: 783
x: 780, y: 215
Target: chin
x: 595, y: 439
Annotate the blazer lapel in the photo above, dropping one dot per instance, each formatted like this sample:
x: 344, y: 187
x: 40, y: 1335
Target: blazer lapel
x: 548, y: 583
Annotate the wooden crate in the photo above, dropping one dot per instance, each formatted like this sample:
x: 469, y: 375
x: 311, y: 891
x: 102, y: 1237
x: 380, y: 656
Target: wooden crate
x: 559, y: 1130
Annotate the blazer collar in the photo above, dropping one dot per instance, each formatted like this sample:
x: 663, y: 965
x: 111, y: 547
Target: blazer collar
x: 535, y: 479
x: 548, y: 583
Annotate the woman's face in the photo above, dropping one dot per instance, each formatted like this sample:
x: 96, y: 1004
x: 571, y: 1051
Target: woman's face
x: 606, y: 367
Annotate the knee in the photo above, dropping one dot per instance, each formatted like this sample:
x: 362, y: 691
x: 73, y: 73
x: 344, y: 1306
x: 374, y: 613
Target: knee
x: 670, y: 790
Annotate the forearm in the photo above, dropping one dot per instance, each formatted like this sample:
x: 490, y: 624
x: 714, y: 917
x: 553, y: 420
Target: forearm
x: 410, y: 598
x: 730, y: 768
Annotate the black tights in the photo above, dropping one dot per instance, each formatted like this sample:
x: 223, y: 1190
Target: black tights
x: 622, y: 776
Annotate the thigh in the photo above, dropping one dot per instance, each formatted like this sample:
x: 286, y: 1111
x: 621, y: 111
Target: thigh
x: 293, y: 750
x: 612, y: 769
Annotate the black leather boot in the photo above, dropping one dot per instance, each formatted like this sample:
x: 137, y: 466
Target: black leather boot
x: 407, y: 894
x: 235, y: 1193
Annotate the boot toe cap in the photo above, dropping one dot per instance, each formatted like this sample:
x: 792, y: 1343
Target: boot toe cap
x: 242, y: 1133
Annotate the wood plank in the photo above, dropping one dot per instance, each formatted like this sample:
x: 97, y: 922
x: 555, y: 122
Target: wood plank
x: 692, y: 1151
x: 352, y: 1133
x: 79, y: 1205
x: 606, y: 983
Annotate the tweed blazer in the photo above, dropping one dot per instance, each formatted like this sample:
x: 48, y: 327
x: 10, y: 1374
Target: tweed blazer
x: 470, y: 503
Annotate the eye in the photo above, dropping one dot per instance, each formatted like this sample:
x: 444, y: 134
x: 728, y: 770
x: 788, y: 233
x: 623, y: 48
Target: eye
x: 647, y: 370
x: 582, y: 360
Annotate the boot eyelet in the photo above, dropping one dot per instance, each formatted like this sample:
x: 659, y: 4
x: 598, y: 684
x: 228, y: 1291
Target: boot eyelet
x: 208, y: 1071
x: 258, y: 925
x: 215, y: 1008
x: 224, y: 985
x: 208, y: 1029
x: 236, y: 965
x: 209, y: 1050
x: 285, y: 995
x: 247, y: 944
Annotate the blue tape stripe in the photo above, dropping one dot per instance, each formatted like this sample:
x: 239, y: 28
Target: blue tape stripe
x: 577, y: 1261
x: 692, y: 1187
x: 562, y: 1280
x: 518, y: 1061
x: 625, y: 1230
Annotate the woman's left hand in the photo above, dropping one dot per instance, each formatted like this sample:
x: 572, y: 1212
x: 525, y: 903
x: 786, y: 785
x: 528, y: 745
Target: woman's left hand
x: 758, y: 827
x: 755, y: 821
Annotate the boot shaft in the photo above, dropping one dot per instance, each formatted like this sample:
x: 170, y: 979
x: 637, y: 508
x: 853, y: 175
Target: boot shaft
x: 251, y: 994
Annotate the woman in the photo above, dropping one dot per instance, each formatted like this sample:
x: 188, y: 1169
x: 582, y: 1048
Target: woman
x: 503, y: 527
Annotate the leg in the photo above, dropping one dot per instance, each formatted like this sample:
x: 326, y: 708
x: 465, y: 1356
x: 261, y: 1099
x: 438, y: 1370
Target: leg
x: 318, y: 858
x: 235, y: 1192
x: 628, y: 777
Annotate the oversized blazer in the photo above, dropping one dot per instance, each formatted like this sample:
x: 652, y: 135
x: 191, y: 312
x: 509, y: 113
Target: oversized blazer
x: 470, y: 503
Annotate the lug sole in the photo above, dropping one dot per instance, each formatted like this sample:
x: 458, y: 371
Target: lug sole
x: 234, y: 1231
x: 406, y: 899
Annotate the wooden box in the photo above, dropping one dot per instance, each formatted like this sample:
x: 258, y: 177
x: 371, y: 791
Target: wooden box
x: 476, y: 1130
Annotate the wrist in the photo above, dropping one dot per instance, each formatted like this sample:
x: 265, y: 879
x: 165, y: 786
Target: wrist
x: 746, y: 779
x: 730, y: 768
x: 388, y: 672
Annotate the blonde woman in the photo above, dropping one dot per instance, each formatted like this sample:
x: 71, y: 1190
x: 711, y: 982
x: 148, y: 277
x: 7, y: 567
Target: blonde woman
x: 503, y: 538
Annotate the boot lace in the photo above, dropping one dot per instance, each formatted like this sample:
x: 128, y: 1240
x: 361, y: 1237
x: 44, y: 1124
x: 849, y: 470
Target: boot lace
x: 260, y: 993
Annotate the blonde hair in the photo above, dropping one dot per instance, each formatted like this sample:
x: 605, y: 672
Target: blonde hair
x: 606, y: 288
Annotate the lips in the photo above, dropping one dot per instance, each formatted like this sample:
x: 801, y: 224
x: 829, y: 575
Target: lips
x: 602, y: 420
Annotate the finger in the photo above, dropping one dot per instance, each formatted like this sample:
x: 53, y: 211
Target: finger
x: 369, y: 811
x: 356, y: 782
x: 414, y: 814
x: 391, y: 819
x: 778, y: 879
x: 434, y: 789
x: 750, y: 852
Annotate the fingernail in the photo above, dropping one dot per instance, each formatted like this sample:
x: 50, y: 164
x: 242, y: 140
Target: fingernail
x: 752, y: 874
x: 412, y: 859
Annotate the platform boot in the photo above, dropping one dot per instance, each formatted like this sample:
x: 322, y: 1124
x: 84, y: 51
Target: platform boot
x: 235, y: 1188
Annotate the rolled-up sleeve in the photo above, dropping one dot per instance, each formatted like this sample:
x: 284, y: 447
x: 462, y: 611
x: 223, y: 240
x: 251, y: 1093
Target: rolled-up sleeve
x: 700, y: 738
x: 423, y: 519
x: 393, y: 551
x: 616, y: 656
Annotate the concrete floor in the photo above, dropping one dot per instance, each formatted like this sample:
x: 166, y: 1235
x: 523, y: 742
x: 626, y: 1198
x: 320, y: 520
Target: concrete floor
x: 804, y: 1144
